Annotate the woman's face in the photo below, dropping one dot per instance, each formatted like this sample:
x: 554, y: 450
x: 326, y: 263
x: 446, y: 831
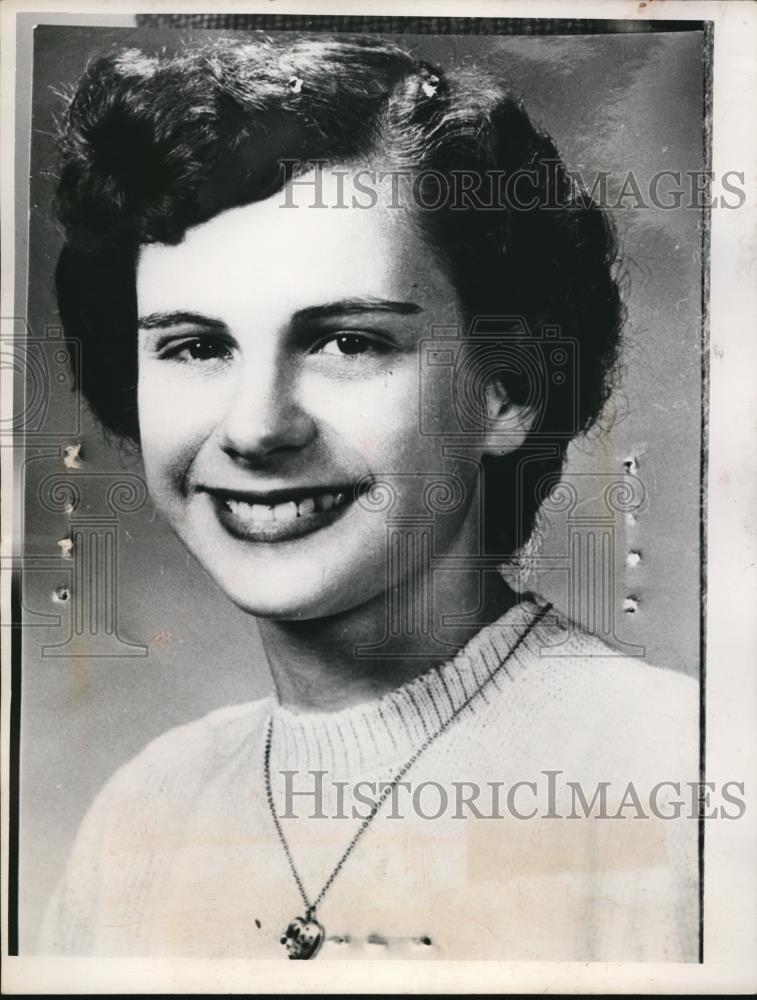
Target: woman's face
x: 279, y: 367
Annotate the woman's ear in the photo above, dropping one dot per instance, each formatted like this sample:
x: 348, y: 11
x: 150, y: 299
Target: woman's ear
x: 507, y: 423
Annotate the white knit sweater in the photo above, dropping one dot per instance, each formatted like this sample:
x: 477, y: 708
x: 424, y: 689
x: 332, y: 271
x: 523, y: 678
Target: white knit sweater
x: 178, y: 856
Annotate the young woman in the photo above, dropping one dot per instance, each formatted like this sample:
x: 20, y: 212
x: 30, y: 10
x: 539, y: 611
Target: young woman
x: 315, y: 281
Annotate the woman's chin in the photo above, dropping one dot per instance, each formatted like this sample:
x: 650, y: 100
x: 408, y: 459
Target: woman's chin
x: 291, y: 608
x: 295, y: 594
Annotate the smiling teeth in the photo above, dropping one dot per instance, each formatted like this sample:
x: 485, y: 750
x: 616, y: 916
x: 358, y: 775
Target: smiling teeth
x: 289, y: 511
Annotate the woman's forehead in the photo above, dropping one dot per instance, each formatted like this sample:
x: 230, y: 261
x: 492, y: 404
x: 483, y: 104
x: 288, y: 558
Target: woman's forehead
x: 312, y: 241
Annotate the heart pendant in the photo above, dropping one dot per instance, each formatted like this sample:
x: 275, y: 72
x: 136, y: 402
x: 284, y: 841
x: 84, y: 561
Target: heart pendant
x: 303, y: 937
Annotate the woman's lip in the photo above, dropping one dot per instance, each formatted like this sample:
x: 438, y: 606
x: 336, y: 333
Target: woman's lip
x: 273, y: 530
x: 270, y: 498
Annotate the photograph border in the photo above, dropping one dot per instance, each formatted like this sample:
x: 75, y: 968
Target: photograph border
x: 366, y: 22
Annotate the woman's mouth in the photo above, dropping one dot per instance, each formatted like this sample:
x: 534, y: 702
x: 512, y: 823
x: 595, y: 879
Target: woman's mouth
x: 269, y: 518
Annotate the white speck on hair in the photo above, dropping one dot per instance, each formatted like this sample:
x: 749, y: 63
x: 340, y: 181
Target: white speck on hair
x: 66, y: 546
x: 137, y: 63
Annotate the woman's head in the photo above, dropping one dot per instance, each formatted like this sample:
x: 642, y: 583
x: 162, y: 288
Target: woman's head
x: 175, y: 201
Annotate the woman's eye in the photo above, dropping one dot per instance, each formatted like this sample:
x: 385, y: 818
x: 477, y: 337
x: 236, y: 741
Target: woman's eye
x: 200, y: 349
x: 351, y: 345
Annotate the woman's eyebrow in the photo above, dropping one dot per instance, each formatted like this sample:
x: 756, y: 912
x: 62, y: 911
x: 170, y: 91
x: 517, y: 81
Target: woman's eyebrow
x: 160, y: 320
x: 329, y: 310
x: 354, y: 307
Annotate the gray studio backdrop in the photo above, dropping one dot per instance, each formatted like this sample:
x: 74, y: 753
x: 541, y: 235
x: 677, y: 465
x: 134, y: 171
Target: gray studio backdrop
x: 177, y: 647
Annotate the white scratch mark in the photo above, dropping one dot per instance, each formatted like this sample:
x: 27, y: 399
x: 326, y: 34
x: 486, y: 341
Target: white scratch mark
x: 72, y: 456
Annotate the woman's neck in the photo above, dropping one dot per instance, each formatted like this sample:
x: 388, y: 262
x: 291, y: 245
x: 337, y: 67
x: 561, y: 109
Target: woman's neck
x: 316, y: 665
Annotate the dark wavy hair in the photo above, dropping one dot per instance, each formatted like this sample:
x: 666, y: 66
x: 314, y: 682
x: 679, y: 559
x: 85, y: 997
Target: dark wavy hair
x: 153, y: 144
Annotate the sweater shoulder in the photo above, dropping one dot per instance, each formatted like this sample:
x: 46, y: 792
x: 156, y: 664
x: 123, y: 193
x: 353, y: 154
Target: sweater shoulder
x: 590, y: 701
x: 218, y: 731
x: 561, y: 642
x: 185, y: 755
x: 626, y: 668
x: 145, y: 802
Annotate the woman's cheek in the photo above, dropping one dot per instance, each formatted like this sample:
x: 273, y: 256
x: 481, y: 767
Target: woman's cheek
x: 177, y: 408
x: 379, y: 417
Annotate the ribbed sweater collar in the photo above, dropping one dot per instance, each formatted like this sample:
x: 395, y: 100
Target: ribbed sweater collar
x: 376, y: 735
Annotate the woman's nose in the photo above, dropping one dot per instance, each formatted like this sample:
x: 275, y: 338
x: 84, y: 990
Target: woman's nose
x: 264, y: 415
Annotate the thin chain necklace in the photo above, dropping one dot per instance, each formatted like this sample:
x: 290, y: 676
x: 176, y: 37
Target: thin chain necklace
x: 304, y: 935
